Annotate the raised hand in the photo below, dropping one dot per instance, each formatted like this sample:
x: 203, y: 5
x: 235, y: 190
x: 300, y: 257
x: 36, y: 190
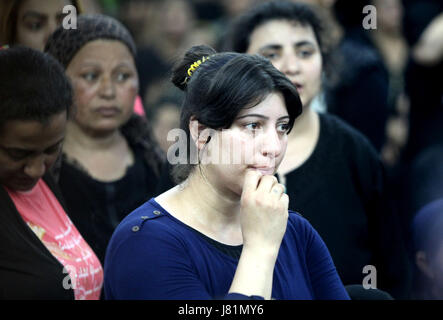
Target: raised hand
x: 264, y: 211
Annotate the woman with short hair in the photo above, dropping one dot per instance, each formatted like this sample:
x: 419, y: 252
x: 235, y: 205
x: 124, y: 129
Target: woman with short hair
x: 42, y: 254
x: 331, y: 170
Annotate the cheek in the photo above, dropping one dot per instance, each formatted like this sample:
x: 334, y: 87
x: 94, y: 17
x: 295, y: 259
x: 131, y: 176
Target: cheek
x: 8, y: 169
x: 34, y: 40
x: 83, y: 95
x: 50, y: 160
x: 231, y: 177
x: 236, y: 148
x: 314, y: 71
x: 127, y: 94
x: 284, y: 146
x: 277, y: 65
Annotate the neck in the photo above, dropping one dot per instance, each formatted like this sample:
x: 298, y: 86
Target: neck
x: 211, y: 199
x: 88, y: 140
x: 304, y: 124
x: 213, y: 212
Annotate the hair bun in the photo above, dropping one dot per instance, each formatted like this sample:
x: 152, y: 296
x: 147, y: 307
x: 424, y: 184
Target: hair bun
x: 180, y: 71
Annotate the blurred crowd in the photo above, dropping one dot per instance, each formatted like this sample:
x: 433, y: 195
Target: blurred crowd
x: 385, y: 82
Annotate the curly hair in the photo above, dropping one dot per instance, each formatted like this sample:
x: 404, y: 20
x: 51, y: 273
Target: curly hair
x: 238, y: 36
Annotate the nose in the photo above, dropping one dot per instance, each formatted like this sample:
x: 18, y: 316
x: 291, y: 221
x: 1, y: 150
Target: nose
x: 107, y: 87
x: 36, y: 167
x: 290, y: 65
x: 271, y: 144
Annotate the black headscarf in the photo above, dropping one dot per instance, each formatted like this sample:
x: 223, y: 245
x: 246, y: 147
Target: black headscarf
x: 65, y: 43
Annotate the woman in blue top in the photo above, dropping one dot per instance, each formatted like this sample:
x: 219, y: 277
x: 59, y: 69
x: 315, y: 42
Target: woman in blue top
x: 224, y: 232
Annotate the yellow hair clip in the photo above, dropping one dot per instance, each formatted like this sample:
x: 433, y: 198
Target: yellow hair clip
x: 195, y: 65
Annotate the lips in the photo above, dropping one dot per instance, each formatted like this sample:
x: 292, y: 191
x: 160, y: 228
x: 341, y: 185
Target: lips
x: 108, y: 111
x: 264, y: 170
x: 298, y: 86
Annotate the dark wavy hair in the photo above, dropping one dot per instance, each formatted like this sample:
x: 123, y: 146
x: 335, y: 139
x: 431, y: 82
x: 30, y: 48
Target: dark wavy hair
x: 224, y: 85
x: 238, y: 36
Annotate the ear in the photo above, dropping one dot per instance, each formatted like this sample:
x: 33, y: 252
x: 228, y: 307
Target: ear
x: 423, y: 264
x: 200, y: 133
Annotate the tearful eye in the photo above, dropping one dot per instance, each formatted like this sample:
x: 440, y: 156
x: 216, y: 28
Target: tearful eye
x: 252, y: 126
x: 283, y: 127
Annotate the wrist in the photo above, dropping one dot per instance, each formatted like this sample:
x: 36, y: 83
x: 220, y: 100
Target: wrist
x: 263, y: 253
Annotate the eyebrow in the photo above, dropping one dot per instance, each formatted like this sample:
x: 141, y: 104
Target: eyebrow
x: 278, y: 46
x: 31, y: 151
x: 260, y: 116
x: 124, y: 64
x: 88, y: 65
x: 34, y: 14
x: 96, y: 64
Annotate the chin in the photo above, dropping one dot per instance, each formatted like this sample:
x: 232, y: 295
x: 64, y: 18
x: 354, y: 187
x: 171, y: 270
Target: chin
x: 305, y: 103
x: 106, y: 124
x: 22, y: 187
x: 106, y: 127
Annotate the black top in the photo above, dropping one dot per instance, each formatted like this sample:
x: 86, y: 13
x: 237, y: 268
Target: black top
x: 425, y: 93
x: 232, y: 251
x: 340, y: 190
x: 360, y: 95
x: 27, y: 269
x: 96, y: 208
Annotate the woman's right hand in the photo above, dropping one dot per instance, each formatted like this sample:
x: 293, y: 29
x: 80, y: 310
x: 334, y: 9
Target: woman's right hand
x: 264, y: 212
x: 263, y: 217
